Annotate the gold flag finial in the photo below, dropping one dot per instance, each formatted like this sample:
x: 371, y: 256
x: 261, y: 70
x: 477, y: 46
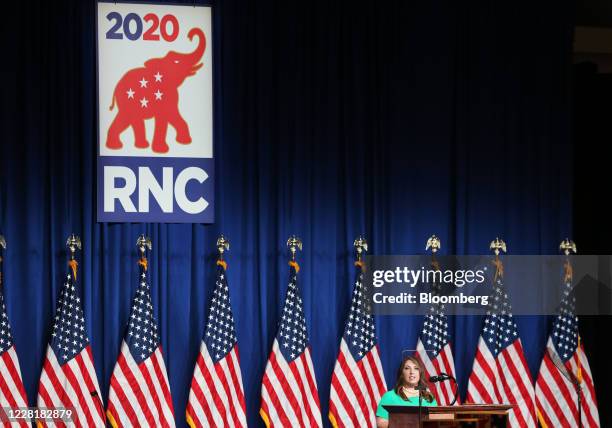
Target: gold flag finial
x: 497, y: 245
x: 567, y: 246
x: 294, y: 243
x: 361, y: 246
x: 223, y: 245
x: 434, y: 243
x: 143, y: 243
x: 73, y: 243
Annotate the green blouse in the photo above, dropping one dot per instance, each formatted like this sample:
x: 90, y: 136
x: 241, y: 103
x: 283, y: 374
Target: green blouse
x: 390, y: 398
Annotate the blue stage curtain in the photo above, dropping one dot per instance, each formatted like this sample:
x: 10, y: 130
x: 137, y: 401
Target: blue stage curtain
x: 393, y: 119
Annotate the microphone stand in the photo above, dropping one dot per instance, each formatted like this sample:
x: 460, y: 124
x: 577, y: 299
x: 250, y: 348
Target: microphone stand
x: 420, y: 408
x: 579, y: 393
x: 420, y: 388
x: 569, y: 376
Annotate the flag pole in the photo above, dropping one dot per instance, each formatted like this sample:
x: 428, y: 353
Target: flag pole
x: 433, y: 244
x: 568, y: 246
x: 74, y: 243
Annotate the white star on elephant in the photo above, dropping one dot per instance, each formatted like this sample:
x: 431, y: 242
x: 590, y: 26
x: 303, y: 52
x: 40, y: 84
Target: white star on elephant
x: 130, y: 93
x: 158, y: 95
x: 143, y: 83
x: 144, y: 102
x: 158, y: 77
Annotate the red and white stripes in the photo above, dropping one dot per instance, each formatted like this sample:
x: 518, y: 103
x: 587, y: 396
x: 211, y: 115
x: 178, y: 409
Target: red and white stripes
x: 12, y: 392
x: 140, y: 393
x: 73, y: 385
x: 442, y: 363
x: 556, y: 398
x: 356, y: 388
x: 289, y: 396
x: 217, y: 396
x: 505, y: 379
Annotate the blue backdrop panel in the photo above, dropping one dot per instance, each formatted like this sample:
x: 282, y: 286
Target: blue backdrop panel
x: 392, y: 119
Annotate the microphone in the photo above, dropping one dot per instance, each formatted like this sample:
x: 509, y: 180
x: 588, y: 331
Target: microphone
x: 439, y: 378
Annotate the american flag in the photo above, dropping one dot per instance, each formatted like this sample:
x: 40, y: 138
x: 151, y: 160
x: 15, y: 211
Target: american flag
x: 358, y: 380
x: 216, y: 397
x: 68, y: 377
x: 434, y: 350
x: 289, y: 396
x: 564, y: 364
x: 139, y: 389
x: 12, y: 392
x: 500, y: 373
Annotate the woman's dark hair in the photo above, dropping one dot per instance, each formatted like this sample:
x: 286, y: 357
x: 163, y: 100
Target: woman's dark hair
x: 399, y: 380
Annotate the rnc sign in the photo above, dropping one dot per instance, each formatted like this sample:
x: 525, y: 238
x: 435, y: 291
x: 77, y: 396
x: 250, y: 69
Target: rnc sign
x: 155, y: 113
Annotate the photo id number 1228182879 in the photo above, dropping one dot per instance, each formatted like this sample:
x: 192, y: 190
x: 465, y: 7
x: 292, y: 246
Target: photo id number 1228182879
x: 47, y: 414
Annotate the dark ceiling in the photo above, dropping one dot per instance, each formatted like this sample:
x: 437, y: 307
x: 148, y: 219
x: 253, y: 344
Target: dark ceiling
x: 594, y: 13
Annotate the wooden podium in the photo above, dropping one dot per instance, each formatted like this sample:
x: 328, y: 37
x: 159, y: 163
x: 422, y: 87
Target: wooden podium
x: 445, y: 416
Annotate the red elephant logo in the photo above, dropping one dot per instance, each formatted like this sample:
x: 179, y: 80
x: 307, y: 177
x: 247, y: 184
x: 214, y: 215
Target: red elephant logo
x: 152, y: 92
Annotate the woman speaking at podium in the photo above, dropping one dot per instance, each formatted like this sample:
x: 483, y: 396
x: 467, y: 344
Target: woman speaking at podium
x: 410, y: 374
